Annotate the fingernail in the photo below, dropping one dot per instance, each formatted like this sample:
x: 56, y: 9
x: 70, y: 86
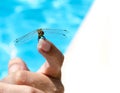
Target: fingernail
x: 44, y: 45
x: 14, y: 68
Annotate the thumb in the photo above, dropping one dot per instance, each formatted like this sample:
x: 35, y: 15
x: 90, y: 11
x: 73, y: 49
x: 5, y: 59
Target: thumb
x: 54, y: 59
x: 16, y: 64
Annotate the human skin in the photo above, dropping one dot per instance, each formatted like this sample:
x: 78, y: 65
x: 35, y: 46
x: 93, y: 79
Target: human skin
x: 46, y: 80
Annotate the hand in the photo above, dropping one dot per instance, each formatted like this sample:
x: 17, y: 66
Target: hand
x: 10, y: 88
x: 47, y: 79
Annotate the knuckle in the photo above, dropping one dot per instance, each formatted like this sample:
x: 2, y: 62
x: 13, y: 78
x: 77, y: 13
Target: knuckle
x: 59, y: 88
x: 21, y: 77
x: 56, y: 87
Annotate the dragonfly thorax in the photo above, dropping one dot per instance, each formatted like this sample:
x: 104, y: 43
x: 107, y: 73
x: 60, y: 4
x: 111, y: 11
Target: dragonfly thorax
x: 40, y: 32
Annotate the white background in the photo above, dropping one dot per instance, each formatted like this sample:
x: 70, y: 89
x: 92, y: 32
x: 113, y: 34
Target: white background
x: 92, y: 62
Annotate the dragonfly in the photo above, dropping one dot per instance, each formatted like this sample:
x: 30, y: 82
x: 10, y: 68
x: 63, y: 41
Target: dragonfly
x: 40, y: 34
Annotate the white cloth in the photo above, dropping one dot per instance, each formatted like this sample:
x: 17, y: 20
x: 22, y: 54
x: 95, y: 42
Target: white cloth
x: 92, y: 63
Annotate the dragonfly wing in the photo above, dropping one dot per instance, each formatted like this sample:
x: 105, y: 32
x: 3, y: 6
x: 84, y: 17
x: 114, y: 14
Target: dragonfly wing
x: 60, y: 32
x: 27, y: 37
x: 53, y: 32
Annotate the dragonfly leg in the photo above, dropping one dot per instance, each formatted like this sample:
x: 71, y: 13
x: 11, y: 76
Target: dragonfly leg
x: 41, y: 37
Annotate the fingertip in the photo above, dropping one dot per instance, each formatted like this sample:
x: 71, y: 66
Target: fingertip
x: 16, y: 64
x: 14, y: 61
x: 44, y: 45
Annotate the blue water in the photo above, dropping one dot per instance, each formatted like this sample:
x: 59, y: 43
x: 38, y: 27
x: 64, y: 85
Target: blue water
x: 18, y: 17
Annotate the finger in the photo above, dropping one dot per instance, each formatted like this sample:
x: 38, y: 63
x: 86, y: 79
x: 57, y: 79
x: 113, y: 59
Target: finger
x: 39, y: 81
x: 8, y: 88
x: 16, y: 64
x: 52, y: 67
